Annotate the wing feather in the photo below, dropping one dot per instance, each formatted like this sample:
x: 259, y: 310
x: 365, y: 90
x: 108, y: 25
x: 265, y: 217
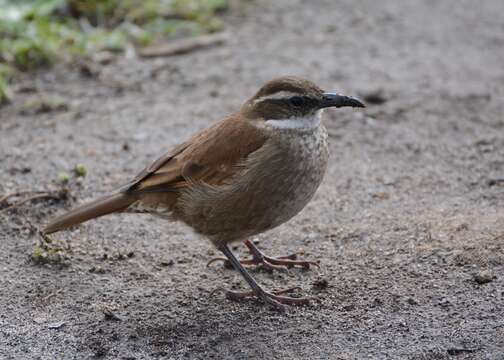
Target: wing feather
x: 211, y: 156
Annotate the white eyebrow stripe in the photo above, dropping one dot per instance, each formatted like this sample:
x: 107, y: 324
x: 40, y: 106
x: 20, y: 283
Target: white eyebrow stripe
x: 277, y: 95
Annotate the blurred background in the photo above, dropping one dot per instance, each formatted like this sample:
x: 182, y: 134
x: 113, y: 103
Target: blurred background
x: 37, y: 33
x: 408, y: 225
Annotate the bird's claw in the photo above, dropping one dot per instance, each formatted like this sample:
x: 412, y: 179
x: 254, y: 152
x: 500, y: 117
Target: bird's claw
x: 270, y: 264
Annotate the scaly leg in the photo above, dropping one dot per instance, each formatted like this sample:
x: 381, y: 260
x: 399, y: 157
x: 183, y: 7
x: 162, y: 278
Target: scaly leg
x: 281, y: 263
x: 274, y: 298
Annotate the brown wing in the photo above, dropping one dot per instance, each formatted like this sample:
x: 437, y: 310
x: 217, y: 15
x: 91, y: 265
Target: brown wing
x: 210, y: 156
x: 156, y: 168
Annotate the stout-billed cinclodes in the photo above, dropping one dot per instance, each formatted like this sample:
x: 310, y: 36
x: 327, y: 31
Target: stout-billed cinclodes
x: 246, y: 174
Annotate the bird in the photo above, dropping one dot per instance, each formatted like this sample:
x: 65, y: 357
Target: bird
x: 242, y: 176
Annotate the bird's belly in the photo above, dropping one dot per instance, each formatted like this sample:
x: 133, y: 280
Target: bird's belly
x: 276, y: 185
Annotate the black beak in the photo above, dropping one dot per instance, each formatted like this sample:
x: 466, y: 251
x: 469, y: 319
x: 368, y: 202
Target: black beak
x: 337, y: 100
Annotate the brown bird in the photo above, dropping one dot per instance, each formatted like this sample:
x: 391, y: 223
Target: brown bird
x: 246, y: 174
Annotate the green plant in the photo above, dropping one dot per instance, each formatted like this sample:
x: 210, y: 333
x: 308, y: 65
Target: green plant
x: 5, y: 92
x: 36, y: 33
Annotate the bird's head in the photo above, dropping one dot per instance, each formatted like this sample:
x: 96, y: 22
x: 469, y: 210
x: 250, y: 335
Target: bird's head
x: 293, y: 102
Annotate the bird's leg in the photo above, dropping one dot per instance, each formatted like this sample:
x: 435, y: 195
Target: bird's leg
x: 274, y: 298
x: 281, y: 263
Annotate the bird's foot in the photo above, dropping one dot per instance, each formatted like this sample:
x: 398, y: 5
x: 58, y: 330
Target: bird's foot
x: 273, y: 298
x: 259, y: 259
x: 263, y: 263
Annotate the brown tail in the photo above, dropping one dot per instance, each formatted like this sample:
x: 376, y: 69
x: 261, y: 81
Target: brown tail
x: 94, y: 209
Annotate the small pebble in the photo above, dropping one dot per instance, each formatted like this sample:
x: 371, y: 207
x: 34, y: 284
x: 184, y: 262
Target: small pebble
x: 484, y: 276
x: 56, y: 325
x: 97, y: 270
x: 166, y: 262
x: 110, y: 315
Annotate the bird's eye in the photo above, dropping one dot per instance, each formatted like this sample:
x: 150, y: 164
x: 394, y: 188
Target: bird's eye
x: 297, y: 101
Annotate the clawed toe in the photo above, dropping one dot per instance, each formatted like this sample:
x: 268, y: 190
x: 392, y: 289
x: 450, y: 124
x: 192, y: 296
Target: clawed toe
x: 281, y: 263
x: 259, y: 263
x: 286, y: 262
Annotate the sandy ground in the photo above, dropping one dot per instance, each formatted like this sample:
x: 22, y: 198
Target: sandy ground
x: 408, y: 224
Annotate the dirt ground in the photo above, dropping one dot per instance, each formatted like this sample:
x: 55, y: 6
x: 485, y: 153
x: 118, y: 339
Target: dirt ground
x: 408, y: 224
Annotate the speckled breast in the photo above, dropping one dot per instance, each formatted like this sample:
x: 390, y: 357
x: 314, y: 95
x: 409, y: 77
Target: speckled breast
x: 299, y: 170
x: 276, y: 183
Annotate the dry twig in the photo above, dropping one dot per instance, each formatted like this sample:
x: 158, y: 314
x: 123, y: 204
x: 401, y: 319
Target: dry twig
x: 184, y: 46
x: 57, y: 195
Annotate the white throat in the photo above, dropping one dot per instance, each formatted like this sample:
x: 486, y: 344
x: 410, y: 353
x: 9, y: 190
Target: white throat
x: 307, y: 122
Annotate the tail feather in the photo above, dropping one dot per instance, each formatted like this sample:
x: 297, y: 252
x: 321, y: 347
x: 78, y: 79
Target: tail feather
x: 103, y: 206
